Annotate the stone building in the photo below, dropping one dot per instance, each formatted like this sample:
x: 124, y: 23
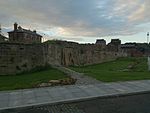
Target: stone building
x: 115, y: 42
x: 114, y: 45
x: 20, y: 35
x: 101, y: 42
x: 133, y: 49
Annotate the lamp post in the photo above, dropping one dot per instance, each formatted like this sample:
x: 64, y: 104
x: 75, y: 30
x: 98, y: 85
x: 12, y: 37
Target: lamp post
x: 148, y: 52
x: 148, y: 37
x: 0, y: 30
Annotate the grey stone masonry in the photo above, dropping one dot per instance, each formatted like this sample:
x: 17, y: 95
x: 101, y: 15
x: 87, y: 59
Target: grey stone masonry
x: 66, y: 94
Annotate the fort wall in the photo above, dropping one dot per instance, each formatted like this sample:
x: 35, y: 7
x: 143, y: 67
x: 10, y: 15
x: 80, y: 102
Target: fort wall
x: 18, y: 58
x: 69, y: 53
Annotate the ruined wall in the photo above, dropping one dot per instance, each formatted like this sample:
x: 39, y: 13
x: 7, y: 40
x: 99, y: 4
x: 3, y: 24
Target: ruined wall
x: 68, y: 53
x: 17, y: 58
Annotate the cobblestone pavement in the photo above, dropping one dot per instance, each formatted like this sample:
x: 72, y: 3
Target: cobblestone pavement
x: 63, y: 108
x: 81, y: 78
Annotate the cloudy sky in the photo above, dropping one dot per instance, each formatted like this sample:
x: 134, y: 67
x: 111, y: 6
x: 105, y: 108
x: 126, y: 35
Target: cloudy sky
x: 79, y: 20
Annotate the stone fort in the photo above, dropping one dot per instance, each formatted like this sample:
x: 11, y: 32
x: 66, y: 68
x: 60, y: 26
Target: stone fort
x: 23, y: 51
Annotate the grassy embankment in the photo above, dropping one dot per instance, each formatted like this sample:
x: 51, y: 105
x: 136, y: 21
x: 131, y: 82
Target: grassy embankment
x: 29, y: 80
x: 122, y: 69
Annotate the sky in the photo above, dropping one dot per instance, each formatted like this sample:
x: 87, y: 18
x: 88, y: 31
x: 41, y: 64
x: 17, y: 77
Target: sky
x: 81, y: 21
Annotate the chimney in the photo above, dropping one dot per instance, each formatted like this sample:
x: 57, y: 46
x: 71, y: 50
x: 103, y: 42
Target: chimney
x: 15, y: 26
x: 34, y: 31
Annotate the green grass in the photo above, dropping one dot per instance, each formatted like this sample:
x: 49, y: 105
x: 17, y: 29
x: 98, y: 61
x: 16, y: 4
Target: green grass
x: 29, y: 80
x: 117, y: 70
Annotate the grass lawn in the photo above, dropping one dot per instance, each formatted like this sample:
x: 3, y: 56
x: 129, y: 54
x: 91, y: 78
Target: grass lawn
x: 28, y: 80
x: 122, y: 69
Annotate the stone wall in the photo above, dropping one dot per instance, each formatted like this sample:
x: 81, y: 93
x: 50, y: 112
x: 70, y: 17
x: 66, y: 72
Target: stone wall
x: 17, y: 58
x: 69, y: 53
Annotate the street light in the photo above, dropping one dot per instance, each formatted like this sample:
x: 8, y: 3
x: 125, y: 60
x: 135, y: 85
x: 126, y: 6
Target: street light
x: 148, y: 52
x: 0, y: 30
x: 148, y: 37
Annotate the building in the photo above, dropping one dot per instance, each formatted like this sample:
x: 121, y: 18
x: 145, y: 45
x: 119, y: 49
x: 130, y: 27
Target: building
x: 101, y: 42
x: 114, y: 45
x: 20, y: 35
x: 135, y: 49
x: 115, y: 42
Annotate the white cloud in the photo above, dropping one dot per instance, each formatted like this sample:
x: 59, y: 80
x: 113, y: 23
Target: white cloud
x: 84, y: 18
x: 138, y: 14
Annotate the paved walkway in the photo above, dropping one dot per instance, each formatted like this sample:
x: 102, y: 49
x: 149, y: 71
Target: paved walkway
x: 53, y: 95
x: 81, y: 78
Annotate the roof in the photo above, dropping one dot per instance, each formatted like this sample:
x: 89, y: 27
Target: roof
x: 25, y: 31
x: 100, y: 40
x: 128, y: 46
x: 115, y: 39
